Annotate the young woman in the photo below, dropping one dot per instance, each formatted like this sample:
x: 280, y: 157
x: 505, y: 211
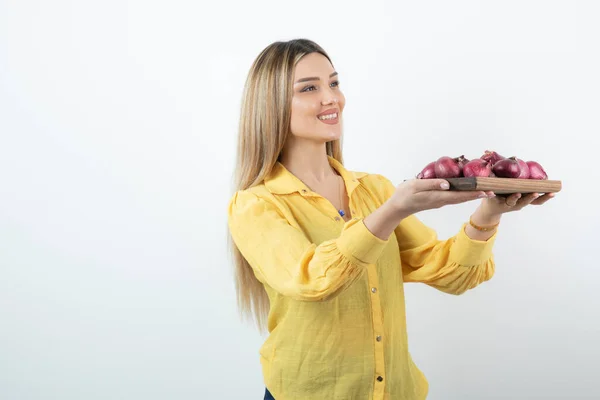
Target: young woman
x: 322, y: 252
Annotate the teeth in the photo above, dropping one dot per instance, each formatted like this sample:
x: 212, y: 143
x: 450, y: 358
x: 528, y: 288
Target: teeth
x: 329, y: 116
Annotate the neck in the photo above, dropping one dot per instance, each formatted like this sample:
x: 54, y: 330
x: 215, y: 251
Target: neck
x: 308, y: 161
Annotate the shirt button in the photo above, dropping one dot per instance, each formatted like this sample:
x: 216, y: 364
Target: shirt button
x: 378, y: 338
x: 303, y: 190
x: 380, y: 378
x: 373, y: 289
x: 337, y: 218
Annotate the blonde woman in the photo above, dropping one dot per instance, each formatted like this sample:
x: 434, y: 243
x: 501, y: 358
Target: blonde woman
x: 322, y: 252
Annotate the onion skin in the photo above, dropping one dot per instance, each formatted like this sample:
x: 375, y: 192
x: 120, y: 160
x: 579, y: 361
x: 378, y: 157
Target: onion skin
x: 477, y: 167
x: 490, y: 164
x: 524, y: 169
x: 447, y: 167
x: 507, y: 168
x: 428, y: 172
x: 492, y: 156
x: 462, y: 161
x: 536, y: 171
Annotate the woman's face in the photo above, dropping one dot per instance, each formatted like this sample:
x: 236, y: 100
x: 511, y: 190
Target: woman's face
x: 318, y: 102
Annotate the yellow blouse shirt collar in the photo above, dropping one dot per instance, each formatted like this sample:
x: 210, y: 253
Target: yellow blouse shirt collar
x: 282, y: 181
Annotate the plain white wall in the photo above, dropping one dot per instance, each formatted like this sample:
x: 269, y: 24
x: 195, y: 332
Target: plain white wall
x: 117, y: 136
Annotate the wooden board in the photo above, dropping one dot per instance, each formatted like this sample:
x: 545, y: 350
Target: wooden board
x: 505, y: 185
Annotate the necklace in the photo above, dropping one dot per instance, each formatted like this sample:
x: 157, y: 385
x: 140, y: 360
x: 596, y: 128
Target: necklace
x: 341, y: 210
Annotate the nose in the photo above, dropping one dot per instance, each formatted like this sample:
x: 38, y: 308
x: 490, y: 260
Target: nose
x: 330, y: 100
x: 330, y: 97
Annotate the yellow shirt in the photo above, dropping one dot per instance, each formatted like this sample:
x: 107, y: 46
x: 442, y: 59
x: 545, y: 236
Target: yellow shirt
x: 337, y: 325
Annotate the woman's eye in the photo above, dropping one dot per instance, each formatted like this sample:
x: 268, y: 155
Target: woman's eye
x: 312, y: 87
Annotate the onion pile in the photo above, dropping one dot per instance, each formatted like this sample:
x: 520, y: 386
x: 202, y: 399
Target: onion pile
x: 490, y: 164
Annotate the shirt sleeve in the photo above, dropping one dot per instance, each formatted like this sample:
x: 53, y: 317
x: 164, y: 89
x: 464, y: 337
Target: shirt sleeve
x: 453, y: 266
x: 282, y: 257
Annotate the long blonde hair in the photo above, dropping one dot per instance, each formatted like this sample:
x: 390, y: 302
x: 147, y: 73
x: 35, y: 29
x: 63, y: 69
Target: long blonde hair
x: 264, y: 127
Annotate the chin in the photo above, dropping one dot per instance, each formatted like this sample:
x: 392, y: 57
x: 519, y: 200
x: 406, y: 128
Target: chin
x: 321, y: 134
x: 330, y: 136
x: 334, y: 133
x: 336, y: 136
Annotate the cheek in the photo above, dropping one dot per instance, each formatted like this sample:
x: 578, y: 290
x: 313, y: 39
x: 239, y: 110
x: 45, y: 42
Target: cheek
x: 342, y: 101
x: 303, y: 110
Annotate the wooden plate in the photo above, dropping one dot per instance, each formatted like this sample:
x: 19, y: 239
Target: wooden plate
x: 505, y: 185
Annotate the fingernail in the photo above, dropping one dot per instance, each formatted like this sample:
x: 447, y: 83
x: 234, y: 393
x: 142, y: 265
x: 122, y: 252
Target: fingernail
x: 445, y: 185
x: 492, y: 195
x: 482, y: 195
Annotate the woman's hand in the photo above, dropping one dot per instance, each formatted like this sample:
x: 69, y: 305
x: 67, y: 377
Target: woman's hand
x: 413, y: 196
x: 496, y: 206
x: 416, y: 195
x: 490, y: 211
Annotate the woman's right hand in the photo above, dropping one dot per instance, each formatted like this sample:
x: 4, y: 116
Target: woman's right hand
x: 416, y: 195
x: 413, y: 196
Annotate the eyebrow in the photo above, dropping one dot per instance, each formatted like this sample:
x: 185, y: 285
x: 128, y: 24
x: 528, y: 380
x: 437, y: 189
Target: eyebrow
x: 314, y: 78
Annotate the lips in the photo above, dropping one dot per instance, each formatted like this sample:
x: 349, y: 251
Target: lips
x: 330, y: 111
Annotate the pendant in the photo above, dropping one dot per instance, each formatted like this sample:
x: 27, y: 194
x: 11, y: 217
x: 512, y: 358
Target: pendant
x: 342, y: 213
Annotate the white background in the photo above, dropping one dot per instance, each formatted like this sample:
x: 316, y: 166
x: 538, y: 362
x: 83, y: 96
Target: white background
x: 118, y: 125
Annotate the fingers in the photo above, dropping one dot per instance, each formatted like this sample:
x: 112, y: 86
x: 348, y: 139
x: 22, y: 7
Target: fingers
x: 423, y: 185
x: 517, y: 201
x: 462, y: 197
x: 442, y: 198
x: 542, y: 199
x: 528, y: 199
x: 512, y: 200
x: 533, y: 198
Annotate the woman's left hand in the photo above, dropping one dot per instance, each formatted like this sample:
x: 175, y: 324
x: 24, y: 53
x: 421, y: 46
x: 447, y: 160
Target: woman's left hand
x: 498, y: 205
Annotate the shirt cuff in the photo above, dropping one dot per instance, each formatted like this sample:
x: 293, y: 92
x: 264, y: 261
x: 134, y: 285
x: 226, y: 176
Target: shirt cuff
x: 359, y: 244
x: 470, y: 252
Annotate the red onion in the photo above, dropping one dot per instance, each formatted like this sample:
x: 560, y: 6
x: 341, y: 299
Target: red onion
x: 428, y: 172
x: 507, y: 168
x: 462, y: 161
x: 492, y: 156
x: 447, y: 167
x: 477, y: 168
x: 490, y: 164
x: 524, y: 169
x: 536, y: 171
